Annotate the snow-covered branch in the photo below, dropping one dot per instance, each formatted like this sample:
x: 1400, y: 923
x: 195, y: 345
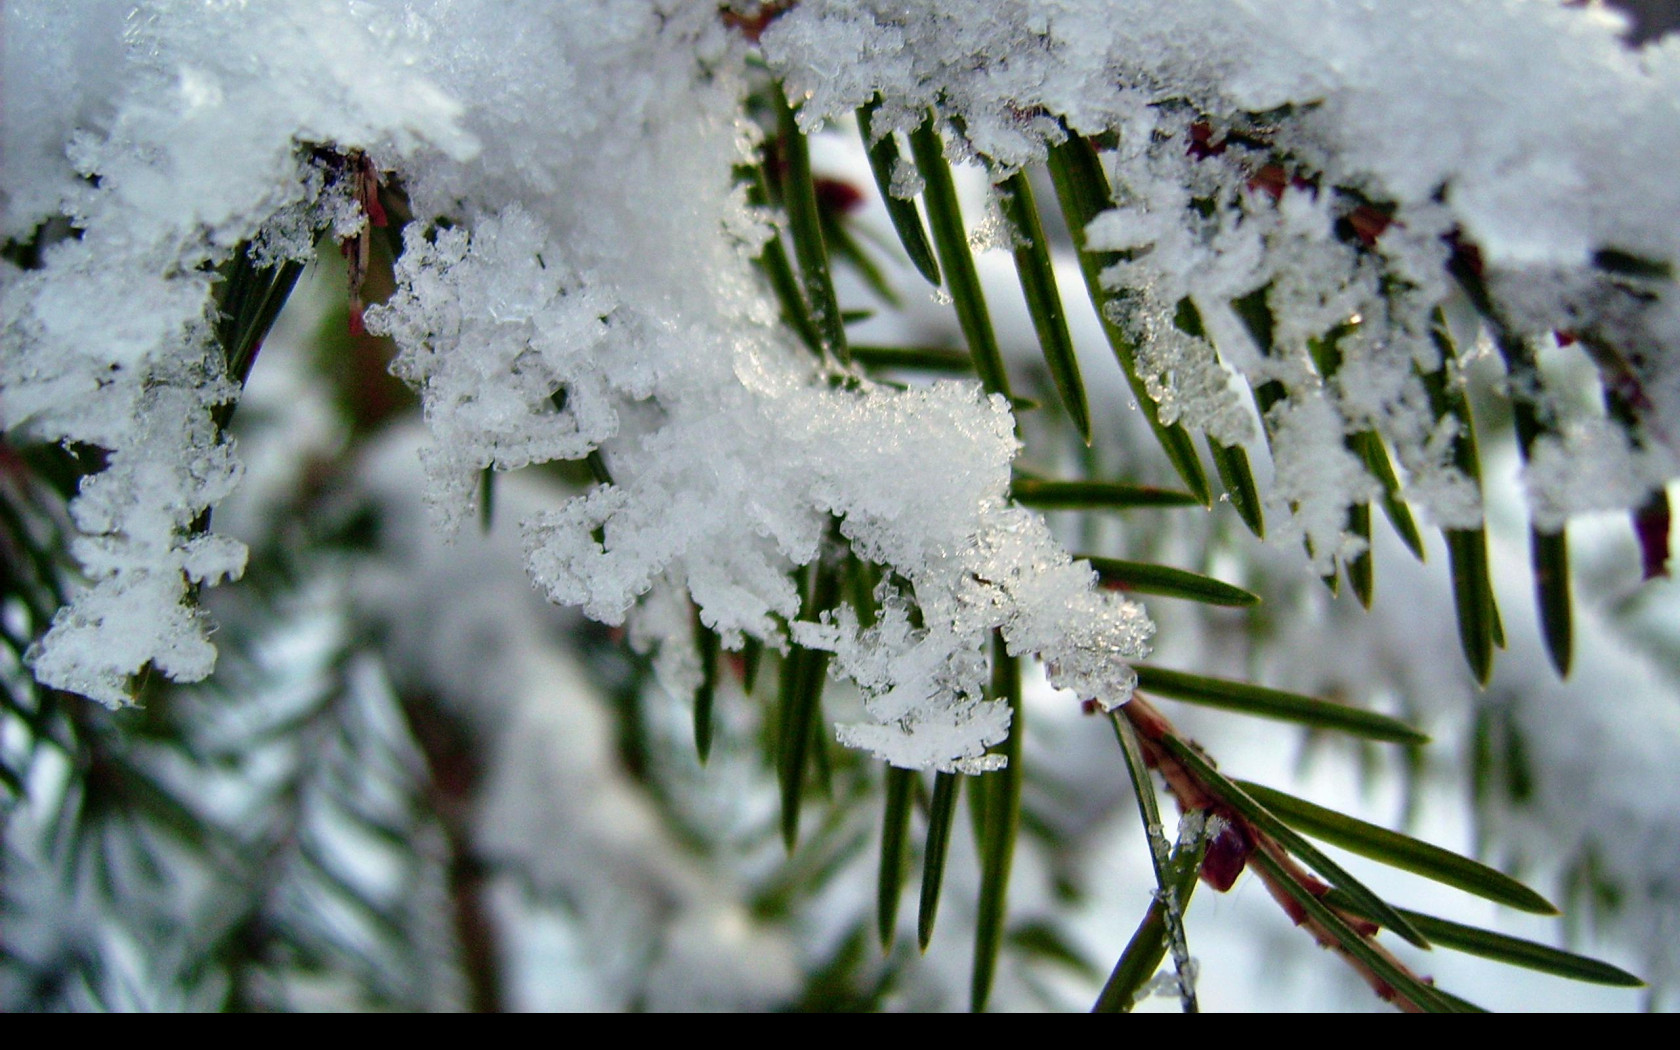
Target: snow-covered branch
x: 578, y: 279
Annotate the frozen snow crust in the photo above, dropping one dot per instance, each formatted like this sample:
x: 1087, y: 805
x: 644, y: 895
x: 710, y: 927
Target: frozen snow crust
x: 578, y: 279
x: 173, y: 138
x: 1326, y: 156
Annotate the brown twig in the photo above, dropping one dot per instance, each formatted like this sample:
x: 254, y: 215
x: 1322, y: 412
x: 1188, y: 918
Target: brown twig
x: 455, y: 775
x: 1228, y: 855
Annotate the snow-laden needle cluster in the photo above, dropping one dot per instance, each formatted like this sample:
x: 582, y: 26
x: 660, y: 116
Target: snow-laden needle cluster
x: 578, y: 279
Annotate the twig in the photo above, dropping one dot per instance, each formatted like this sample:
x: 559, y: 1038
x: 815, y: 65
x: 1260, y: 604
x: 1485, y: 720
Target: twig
x: 1281, y: 873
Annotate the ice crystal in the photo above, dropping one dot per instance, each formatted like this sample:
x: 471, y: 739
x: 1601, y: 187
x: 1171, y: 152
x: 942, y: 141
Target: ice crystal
x: 577, y: 281
x: 1326, y: 158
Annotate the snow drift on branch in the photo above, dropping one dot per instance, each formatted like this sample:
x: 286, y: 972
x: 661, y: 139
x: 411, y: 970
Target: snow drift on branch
x: 578, y: 279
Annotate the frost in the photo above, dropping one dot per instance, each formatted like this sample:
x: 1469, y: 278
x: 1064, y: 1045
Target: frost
x: 907, y: 182
x: 1321, y: 159
x: 1179, y: 984
x: 1318, y: 479
x: 57, y: 79
x: 918, y: 480
x: 499, y: 341
x: 1590, y: 467
x: 542, y: 327
x: 202, y: 112
x: 1298, y: 174
x: 994, y: 231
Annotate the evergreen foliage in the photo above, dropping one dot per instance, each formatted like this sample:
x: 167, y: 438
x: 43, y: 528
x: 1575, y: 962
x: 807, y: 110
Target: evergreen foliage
x: 312, y: 826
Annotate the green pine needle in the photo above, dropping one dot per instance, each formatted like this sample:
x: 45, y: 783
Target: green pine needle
x: 917, y: 358
x: 1549, y: 555
x: 1473, y: 598
x: 804, y: 672
x: 1231, y: 461
x: 1002, y: 819
x: 1370, y: 448
x: 895, y: 827
x: 773, y: 260
x: 752, y: 656
x: 1479, y: 626
x: 1399, y: 851
x: 950, y: 239
x: 1044, y: 301
x: 941, y: 815
x: 1148, y: 578
x: 486, y: 499
x: 705, y: 696
x: 799, y: 197
x: 1082, y: 189
x: 1166, y: 884
x: 1094, y: 495
x: 1276, y: 704
x: 1361, y: 568
x: 884, y: 159
x: 1507, y: 949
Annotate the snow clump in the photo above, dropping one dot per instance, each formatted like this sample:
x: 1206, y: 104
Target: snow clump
x: 1324, y: 164
x: 577, y: 281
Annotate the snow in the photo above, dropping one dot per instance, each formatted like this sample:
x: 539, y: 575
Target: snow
x: 108, y: 344
x: 578, y: 279
x: 57, y: 78
x: 1526, y: 128
x: 631, y: 308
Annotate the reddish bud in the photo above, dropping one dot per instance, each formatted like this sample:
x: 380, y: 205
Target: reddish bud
x: 1202, y: 145
x: 1651, y: 524
x: 1368, y: 224
x: 1272, y: 179
x: 1227, y: 852
x: 837, y: 196
x: 752, y: 24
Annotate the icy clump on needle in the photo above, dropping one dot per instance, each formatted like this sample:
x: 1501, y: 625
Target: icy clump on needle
x: 921, y: 478
x: 1323, y: 162
x: 919, y: 482
x: 577, y: 280
x: 56, y: 78
x: 542, y: 324
x: 504, y: 375
x: 182, y: 144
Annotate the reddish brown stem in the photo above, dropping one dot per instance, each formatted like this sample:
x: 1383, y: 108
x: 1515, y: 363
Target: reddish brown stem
x: 455, y: 774
x: 1153, y: 729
